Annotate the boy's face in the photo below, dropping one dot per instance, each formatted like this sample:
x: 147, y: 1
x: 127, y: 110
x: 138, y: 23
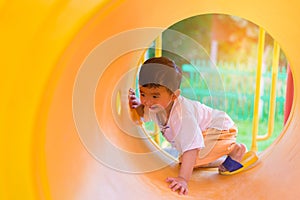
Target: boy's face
x: 154, y: 97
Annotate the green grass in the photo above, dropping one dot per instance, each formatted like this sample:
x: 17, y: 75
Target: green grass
x: 245, y: 133
x: 238, y: 80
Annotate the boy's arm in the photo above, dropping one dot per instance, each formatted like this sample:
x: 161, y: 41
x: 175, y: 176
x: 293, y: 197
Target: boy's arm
x: 187, y: 164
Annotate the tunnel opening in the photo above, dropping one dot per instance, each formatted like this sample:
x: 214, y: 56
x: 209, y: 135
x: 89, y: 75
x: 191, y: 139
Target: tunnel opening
x: 231, y: 45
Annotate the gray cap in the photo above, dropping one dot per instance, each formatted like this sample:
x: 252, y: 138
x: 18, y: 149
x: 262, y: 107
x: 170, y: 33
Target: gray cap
x: 160, y: 74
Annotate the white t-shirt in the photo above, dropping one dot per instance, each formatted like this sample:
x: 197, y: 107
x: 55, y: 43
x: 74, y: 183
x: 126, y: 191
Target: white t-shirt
x: 187, y: 120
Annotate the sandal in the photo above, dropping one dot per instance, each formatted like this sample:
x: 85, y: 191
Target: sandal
x: 234, y: 167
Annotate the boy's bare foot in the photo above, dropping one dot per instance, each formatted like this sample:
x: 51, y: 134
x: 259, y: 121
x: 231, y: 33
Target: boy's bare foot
x: 236, y: 154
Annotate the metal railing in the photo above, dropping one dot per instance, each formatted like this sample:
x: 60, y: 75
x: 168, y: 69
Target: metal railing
x: 276, y: 50
x: 257, y: 97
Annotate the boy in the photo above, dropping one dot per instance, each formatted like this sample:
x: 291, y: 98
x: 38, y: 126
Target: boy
x: 199, y: 133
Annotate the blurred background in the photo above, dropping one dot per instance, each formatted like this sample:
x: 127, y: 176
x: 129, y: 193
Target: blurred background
x: 230, y: 44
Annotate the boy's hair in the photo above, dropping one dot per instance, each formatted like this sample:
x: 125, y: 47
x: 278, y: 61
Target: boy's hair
x: 160, y: 71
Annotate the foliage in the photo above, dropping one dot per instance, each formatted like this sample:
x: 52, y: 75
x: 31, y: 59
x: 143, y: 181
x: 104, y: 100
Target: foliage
x: 235, y: 58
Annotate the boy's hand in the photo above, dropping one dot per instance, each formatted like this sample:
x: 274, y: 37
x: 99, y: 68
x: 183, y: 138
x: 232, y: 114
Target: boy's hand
x: 133, y: 100
x: 178, y: 183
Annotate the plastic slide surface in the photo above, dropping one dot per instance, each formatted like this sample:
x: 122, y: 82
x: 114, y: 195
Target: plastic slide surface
x: 66, y: 67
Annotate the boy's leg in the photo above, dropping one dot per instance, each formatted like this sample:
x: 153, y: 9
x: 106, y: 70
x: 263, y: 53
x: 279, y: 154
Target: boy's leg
x: 236, y: 154
x: 217, y: 144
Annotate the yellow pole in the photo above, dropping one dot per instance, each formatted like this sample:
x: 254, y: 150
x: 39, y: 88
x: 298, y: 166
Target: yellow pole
x: 158, y: 46
x: 158, y: 53
x: 133, y: 113
x: 275, y: 61
x: 261, y: 42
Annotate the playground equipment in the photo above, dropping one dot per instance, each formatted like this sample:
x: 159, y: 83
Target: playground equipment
x: 44, y: 46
